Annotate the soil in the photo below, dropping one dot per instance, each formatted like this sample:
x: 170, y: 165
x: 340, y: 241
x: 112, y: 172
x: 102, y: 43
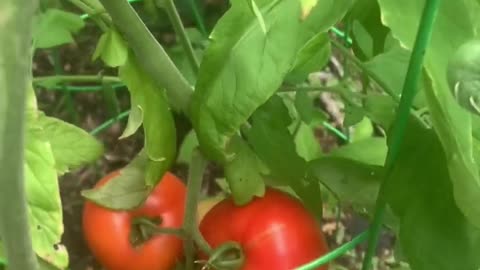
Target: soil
x: 89, y: 111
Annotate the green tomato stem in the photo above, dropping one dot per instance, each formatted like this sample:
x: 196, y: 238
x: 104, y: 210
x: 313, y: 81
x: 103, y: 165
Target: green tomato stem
x: 194, y: 185
x: 221, y: 257
x: 59, y: 79
x: 91, y: 12
x: 150, y: 54
x: 15, y: 70
x: 345, y: 52
x: 408, y: 94
x: 154, y: 228
x: 177, y: 24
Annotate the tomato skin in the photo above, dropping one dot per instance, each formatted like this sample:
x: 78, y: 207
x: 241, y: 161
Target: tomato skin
x: 275, y: 231
x: 107, y: 232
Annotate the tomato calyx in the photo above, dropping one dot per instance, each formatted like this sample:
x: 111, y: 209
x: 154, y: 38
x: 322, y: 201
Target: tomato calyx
x: 228, y: 256
x: 144, y: 228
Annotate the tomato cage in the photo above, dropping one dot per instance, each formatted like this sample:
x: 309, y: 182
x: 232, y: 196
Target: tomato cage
x: 410, y: 86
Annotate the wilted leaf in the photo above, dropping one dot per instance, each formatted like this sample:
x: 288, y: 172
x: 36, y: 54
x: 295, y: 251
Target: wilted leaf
x: 158, y: 125
x: 126, y: 191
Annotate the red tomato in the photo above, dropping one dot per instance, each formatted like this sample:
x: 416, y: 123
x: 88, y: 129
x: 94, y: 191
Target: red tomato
x: 107, y: 232
x: 275, y: 231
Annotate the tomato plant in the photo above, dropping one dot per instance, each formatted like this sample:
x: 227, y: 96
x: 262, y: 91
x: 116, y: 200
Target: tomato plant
x: 109, y: 233
x: 256, y: 89
x: 274, y: 232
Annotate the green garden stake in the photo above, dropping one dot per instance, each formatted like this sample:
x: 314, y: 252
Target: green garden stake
x: 340, y: 251
x: 408, y: 94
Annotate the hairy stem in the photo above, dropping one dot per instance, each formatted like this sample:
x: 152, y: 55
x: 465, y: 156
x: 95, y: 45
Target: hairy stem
x: 197, y: 168
x: 408, y: 94
x: 176, y: 21
x: 15, y: 63
x: 152, y: 57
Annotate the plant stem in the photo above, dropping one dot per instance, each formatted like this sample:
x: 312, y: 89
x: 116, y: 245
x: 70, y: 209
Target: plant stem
x: 151, y: 55
x: 109, y: 122
x: 157, y: 229
x: 15, y: 68
x: 59, y: 79
x: 198, y: 18
x: 408, y: 94
x: 194, y: 185
x: 91, y: 12
x: 176, y: 21
x: 345, y: 52
x: 374, y: 76
x: 68, y: 96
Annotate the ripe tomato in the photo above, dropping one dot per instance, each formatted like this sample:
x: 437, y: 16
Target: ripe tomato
x: 275, y: 231
x: 107, y: 232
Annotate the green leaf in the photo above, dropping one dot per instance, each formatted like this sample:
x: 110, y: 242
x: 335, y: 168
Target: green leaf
x: 353, y: 182
x: 189, y: 143
x: 43, y: 195
x: 380, y: 109
x: 158, y: 125
x: 306, y: 109
x: 243, y: 67
x: 244, y: 173
x: 366, y: 19
x: 181, y: 61
x: 313, y: 57
x: 272, y: 142
x: 371, y: 151
x: 304, y: 106
x: 307, y: 145
x: 112, y: 49
x: 453, y: 27
x: 126, y: 191
x: 353, y: 115
x: 420, y: 192
x: 71, y: 146
x: 362, y: 130
x: 392, y: 67
x: 55, y: 27
x: 363, y: 39
x: 258, y: 14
